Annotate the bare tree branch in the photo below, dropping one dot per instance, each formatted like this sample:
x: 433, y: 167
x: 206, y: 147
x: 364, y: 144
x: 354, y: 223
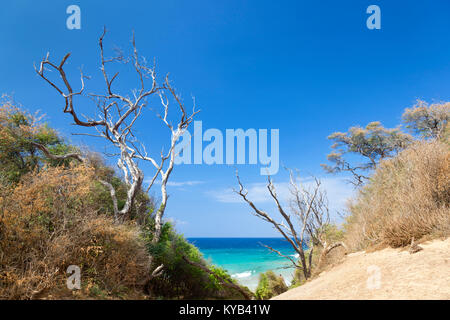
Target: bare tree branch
x: 281, y: 254
x: 310, y: 208
x: 57, y: 157
x: 116, y: 118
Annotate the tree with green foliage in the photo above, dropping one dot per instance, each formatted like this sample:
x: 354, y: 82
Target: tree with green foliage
x: 21, y: 138
x: 371, y: 144
x: 427, y: 120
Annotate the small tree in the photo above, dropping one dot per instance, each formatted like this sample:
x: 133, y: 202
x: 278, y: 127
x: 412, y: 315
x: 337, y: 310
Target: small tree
x: 116, y: 117
x: 20, y: 134
x: 305, y: 223
x: 427, y: 120
x: 373, y: 143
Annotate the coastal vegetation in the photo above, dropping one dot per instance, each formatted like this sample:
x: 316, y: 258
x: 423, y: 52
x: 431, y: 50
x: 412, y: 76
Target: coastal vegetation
x: 71, y: 195
x: 62, y: 206
x: 408, y: 195
x: 54, y: 213
x: 403, y: 192
x: 407, y: 198
x: 270, y: 285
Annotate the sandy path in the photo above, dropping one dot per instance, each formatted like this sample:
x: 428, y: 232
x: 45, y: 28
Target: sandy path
x: 423, y: 275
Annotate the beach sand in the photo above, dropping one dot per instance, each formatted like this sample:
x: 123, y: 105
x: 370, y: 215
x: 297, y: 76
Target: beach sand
x: 385, y: 274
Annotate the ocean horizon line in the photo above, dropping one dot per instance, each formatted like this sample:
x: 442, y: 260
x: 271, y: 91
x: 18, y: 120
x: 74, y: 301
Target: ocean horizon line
x: 235, y: 238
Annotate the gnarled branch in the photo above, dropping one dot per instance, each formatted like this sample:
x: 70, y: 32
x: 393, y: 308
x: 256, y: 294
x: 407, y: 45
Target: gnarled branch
x: 117, y: 117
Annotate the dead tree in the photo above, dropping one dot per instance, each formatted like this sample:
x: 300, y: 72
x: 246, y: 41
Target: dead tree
x: 116, y: 116
x: 304, y: 224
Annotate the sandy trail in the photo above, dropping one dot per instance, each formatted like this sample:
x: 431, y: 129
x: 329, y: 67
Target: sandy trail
x: 423, y: 275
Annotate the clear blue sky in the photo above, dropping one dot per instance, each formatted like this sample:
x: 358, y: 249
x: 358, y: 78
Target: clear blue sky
x: 307, y: 68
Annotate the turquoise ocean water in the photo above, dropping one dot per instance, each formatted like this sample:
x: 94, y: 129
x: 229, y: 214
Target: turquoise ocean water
x: 246, y: 258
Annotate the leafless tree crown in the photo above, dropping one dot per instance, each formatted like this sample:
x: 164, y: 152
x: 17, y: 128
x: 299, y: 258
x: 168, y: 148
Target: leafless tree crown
x: 116, y: 116
x: 305, y: 222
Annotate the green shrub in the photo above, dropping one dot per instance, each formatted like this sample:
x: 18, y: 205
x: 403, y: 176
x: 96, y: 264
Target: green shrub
x: 181, y: 280
x: 40, y: 211
x: 298, y: 279
x: 270, y: 285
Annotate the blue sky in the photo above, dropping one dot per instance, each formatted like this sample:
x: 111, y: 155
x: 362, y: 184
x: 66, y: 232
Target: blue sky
x: 307, y: 68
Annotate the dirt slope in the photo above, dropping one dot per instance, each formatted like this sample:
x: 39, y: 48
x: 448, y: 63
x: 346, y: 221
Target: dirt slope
x: 422, y: 275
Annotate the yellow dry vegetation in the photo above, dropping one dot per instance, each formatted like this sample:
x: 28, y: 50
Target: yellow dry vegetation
x: 49, y: 222
x: 408, y: 196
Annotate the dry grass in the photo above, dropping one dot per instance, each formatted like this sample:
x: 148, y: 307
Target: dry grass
x: 408, y: 196
x: 49, y: 222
